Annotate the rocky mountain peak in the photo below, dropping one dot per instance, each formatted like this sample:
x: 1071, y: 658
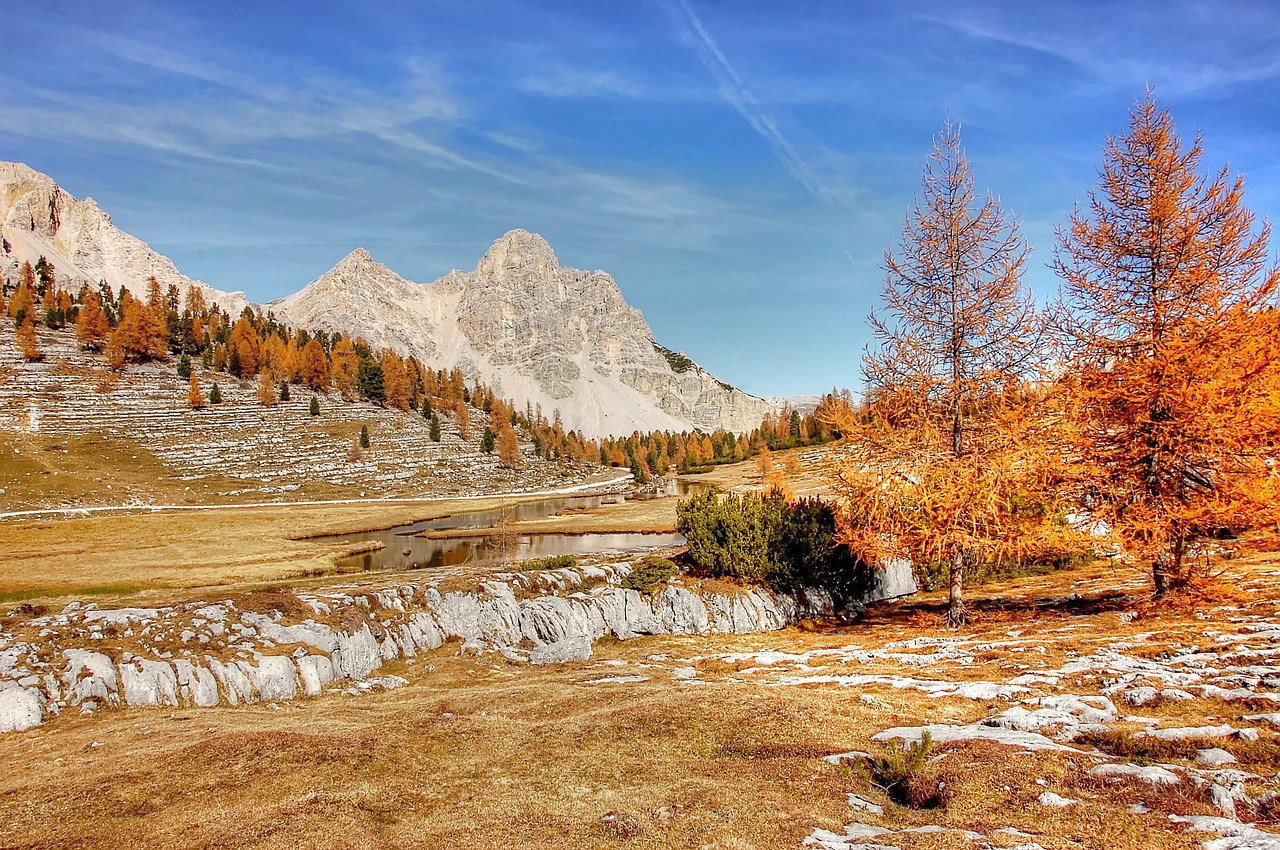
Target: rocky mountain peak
x: 518, y: 253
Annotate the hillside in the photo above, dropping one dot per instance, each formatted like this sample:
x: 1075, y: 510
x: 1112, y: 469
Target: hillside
x: 556, y: 337
x: 77, y: 435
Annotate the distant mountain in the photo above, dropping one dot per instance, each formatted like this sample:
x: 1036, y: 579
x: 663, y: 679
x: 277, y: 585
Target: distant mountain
x: 802, y: 403
x: 533, y: 331
x: 558, y: 337
x: 37, y: 218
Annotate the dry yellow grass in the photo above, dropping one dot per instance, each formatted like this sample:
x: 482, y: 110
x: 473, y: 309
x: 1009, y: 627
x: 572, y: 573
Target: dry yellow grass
x: 142, y: 553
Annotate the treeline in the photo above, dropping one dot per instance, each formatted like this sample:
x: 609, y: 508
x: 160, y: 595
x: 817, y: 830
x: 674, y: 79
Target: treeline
x: 659, y: 452
x: 128, y: 329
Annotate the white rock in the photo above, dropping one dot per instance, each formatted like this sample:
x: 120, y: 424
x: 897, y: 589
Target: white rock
x: 942, y: 734
x: 19, y: 707
x: 90, y: 675
x: 1153, y: 774
x: 561, y: 652
x: 275, y: 678
x: 196, y: 685
x: 146, y: 682
x: 1214, y: 757
x: 358, y: 653
x: 316, y: 671
x: 1048, y: 798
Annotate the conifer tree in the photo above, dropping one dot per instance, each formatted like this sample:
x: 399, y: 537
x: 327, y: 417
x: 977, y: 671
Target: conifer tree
x: 487, y: 440
x: 313, y: 368
x: 508, y: 447
x: 266, y: 390
x: 1168, y: 315
x: 215, y: 395
x: 344, y: 368
x: 364, y: 436
x: 27, y: 343
x: 195, y: 397
x: 395, y: 381
x: 92, y: 329
x: 314, y: 410
x: 941, y: 463
x: 284, y: 390
x: 434, y: 430
x: 23, y: 303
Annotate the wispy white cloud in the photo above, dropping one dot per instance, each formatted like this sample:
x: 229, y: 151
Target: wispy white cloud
x: 218, y: 127
x: 566, y: 82
x: 1215, y: 50
x: 736, y: 92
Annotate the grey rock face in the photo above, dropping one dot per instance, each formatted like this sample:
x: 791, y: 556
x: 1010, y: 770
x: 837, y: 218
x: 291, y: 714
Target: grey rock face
x: 196, y: 685
x: 316, y: 671
x: 275, y: 678
x: 358, y: 653
x: 235, y: 684
x: 561, y: 652
x: 148, y: 682
x: 312, y: 634
x: 90, y: 676
x: 562, y: 338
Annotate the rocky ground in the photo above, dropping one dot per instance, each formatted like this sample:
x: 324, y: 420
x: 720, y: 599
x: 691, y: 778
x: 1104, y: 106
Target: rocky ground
x: 1073, y: 713
x: 77, y: 435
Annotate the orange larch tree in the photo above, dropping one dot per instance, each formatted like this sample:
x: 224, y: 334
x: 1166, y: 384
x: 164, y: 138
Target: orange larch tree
x: 1171, y: 339
x: 946, y: 447
x: 195, y: 395
x: 27, y: 344
x: 92, y: 328
x: 313, y: 369
x: 508, y: 445
x: 344, y: 368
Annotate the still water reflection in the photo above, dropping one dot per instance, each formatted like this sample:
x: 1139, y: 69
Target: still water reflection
x: 405, y: 550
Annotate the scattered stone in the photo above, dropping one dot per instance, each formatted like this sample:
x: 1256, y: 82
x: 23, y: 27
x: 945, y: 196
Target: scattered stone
x: 1048, y: 798
x: 1214, y: 757
x: 1153, y: 774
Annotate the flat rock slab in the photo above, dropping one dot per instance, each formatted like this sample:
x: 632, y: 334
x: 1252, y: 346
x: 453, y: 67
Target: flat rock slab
x: 942, y: 734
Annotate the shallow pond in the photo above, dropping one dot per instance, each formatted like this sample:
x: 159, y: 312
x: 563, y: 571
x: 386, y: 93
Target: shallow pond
x: 405, y: 550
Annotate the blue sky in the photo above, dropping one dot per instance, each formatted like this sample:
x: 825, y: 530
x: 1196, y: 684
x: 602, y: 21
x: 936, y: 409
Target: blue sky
x: 738, y: 167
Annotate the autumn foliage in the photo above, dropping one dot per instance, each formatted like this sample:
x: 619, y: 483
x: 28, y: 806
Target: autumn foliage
x: 949, y: 464
x: 1173, y: 349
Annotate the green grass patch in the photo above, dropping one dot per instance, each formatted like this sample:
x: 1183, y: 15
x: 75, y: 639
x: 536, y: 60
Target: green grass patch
x: 554, y: 562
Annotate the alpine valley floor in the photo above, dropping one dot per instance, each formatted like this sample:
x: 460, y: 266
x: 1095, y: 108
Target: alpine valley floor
x: 1073, y: 713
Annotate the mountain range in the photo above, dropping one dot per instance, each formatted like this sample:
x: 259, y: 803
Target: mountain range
x: 559, y: 338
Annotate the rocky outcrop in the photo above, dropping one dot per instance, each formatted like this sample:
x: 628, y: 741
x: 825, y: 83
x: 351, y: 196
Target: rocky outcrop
x: 225, y: 656
x: 39, y: 219
x: 558, y: 337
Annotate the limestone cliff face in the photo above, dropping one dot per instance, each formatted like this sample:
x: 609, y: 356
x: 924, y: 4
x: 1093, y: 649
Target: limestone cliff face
x: 559, y: 337
x: 37, y: 218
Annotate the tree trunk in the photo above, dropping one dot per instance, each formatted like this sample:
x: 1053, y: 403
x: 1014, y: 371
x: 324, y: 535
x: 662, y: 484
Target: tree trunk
x: 1167, y: 571
x: 956, y: 614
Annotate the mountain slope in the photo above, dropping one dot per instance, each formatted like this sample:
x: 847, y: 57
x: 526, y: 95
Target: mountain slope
x: 559, y: 337
x: 37, y: 218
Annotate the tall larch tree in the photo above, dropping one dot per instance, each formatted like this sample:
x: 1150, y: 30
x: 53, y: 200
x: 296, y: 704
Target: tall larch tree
x: 27, y: 343
x: 92, y: 328
x: 943, y: 455
x: 313, y: 369
x: 395, y: 381
x: 195, y: 395
x: 1168, y: 315
x: 508, y: 446
x: 344, y: 368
